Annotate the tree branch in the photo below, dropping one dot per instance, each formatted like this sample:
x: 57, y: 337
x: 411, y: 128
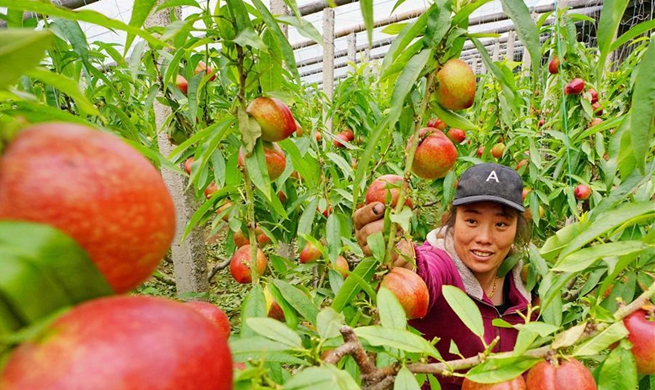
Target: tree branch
x: 383, y: 378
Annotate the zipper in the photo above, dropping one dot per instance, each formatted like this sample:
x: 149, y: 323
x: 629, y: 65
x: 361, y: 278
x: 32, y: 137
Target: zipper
x: 496, y: 329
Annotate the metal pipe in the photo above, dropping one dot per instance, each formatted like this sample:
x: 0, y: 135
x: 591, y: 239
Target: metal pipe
x: 70, y: 4
x: 319, y: 6
x: 496, y: 17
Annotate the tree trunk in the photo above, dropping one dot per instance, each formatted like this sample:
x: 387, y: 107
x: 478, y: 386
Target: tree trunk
x: 189, y: 256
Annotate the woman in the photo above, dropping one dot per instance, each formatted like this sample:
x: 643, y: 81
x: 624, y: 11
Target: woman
x: 484, y: 227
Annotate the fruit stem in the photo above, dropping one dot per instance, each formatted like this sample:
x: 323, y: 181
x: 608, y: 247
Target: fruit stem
x: 409, y: 159
x: 635, y: 305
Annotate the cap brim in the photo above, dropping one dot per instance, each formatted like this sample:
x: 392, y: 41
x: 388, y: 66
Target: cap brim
x: 487, y: 198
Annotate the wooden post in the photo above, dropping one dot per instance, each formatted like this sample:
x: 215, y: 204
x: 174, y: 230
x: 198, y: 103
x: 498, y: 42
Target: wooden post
x: 496, y: 53
x: 189, y: 256
x: 328, y: 57
x: 352, y: 50
x: 511, y: 38
x: 278, y: 7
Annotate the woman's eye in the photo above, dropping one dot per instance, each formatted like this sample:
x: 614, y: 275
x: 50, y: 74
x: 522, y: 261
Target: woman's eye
x: 502, y: 224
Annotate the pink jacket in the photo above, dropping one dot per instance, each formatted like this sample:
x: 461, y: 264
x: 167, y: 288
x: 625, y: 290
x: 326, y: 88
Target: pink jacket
x: 439, y: 265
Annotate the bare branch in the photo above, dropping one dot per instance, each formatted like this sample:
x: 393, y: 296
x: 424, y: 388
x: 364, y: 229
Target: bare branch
x: 217, y: 268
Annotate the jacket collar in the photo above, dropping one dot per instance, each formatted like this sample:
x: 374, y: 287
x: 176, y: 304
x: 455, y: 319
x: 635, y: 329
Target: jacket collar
x: 441, y: 239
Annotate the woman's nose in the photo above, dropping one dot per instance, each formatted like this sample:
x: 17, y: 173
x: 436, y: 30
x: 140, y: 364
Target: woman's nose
x: 483, y: 235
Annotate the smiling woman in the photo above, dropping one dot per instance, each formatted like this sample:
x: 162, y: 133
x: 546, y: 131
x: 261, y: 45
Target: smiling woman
x: 484, y: 227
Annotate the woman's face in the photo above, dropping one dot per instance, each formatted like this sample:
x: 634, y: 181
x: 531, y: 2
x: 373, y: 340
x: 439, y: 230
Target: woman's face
x: 483, y: 235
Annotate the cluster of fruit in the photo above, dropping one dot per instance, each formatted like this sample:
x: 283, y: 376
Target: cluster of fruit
x: 109, y: 199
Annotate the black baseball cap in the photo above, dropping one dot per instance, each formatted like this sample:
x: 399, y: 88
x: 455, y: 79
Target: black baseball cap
x: 490, y: 182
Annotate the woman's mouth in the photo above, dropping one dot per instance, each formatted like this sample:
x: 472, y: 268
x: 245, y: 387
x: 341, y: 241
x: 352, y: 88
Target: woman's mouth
x: 482, y: 254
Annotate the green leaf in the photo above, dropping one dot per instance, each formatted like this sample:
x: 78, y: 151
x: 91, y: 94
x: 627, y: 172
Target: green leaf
x: 396, y: 338
x: 20, y: 51
x: 619, y: 371
x: 303, y: 27
x: 307, y: 218
x: 642, y: 121
x: 605, y: 222
x: 250, y: 38
x: 255, y: 347
x: 140, y: 11
x: 72, y: 32
x: 254, y: 305
x: 561, y: 239
x: 466, y: 11
x: 298, y: 300
x: 258, y: 172
x: 602, y: 341
x: 377, y: 245
x: 405, y: 83
x: 635, y: 31
x: 93, y: 17
x: 367, y: 13
x: 365, y: 270
x: 569, y: 337
x: 392, y: 314
x: 287, y: 50
x: 438, y: 24
x: 239, y: 13
x: 528, y: 333
x: 30, y: 293
x: 505, y: 82
x: 495, y: 369
x: 306, y: 165
x: 584, y: 258
x: 342, y: 163
x: 329, y: 322
x: 398, y: 46
x: 610, y: 18
x: 526, y: 29
x: 405, y: 380
x: 327, y: 377
x: 333, y: 237
x: 275, y: 330
x: 403, y: 218
x: 453, y: 119
x: 177, y: 3
x: 57, y: 255
x: 465, y: 309
x: 65, y: 85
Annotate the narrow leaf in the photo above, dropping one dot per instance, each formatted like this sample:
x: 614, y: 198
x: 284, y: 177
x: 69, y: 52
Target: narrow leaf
x: 93, y: 17
x: 526, y: 29
x: 642, y: 121
x: 327, y: 377
x: 405, y: 83
x: 392, y: 314
x: 65, y: 85
x: 396, y: 338
x: 298, y: 300
x: 275, y: 330
x: 584, y: 258
x: 405, y: 380
x: 610, y: 18
x: 465, y: 309
x: 140, y: 11
x: 367, y: 13
x: 21, y: 50
x: 619, y: 371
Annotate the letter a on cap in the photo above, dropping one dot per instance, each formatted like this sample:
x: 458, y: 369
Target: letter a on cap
x: 492, y: 176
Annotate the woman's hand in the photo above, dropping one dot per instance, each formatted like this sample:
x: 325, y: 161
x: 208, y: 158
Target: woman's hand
x: 370, y: 220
